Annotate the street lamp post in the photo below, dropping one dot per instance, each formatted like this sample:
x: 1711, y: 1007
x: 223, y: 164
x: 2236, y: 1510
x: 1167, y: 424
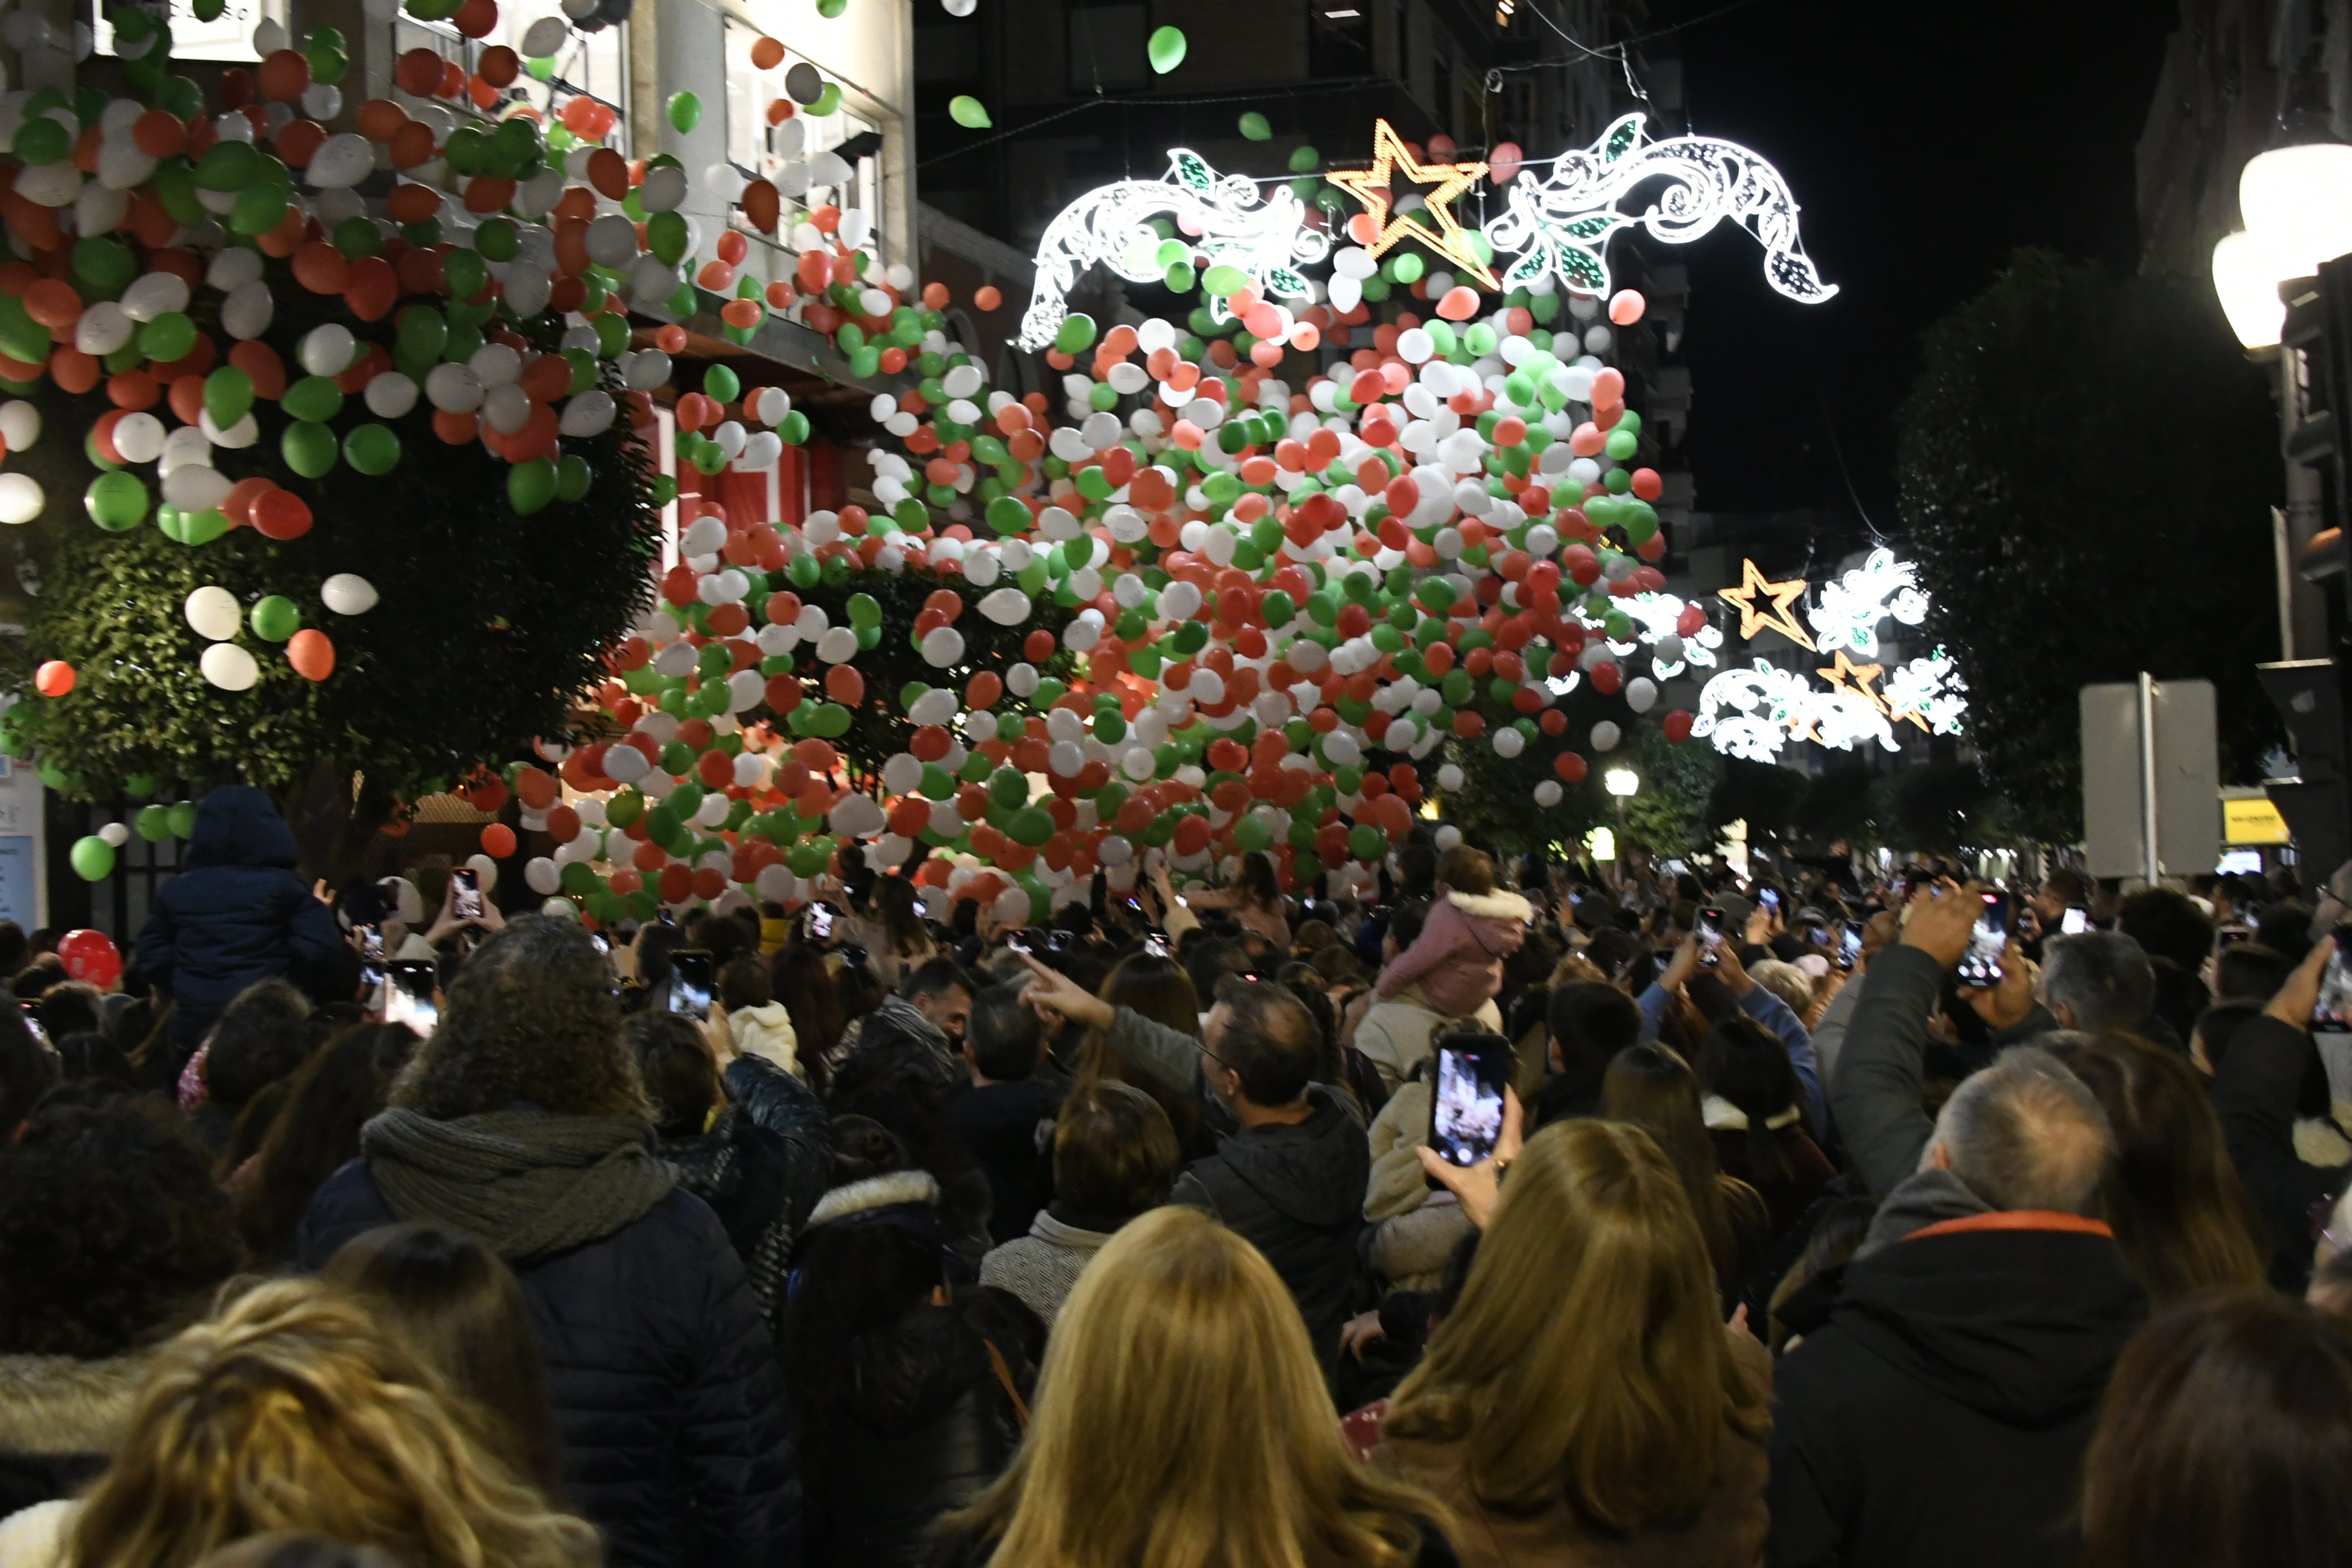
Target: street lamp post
x: 1622, y: 782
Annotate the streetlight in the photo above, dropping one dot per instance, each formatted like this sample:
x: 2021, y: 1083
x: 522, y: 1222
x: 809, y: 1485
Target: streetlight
x: 1623, y: 783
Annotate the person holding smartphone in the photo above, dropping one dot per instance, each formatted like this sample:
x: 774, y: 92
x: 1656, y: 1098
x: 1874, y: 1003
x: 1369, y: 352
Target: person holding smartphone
x: 1754, y: 1000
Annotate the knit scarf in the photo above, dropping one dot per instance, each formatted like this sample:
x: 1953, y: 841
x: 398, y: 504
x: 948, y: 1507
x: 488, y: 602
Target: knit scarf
x: 528, y: 1183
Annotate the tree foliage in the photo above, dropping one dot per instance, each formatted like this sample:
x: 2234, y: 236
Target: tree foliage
x: 489, y: 628
x: 2086, y: 466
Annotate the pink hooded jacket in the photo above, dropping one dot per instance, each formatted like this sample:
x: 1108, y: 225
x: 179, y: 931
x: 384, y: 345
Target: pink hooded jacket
x: 1458, y: 957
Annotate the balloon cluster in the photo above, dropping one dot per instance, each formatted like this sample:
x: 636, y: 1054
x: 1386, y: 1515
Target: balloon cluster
x: 1226, y: 597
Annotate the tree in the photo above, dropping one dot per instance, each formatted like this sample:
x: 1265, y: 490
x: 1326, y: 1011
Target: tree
x: 2086, y: 465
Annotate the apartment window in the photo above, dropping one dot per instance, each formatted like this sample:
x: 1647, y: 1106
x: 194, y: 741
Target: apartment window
x: 780, y: 154
x: 596, y: 63
x: 1108, y: 47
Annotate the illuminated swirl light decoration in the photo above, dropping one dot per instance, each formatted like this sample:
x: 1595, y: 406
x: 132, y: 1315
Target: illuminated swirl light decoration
x: 1560, y: 225
x: 1755, y: 712
x: 1266, y: 235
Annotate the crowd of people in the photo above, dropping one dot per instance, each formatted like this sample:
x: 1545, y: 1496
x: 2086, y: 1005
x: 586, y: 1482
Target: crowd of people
x: 1786, y: 1218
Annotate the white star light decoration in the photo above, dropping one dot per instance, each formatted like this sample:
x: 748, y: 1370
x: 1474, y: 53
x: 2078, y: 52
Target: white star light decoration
x: 1755, y: 712
x: 1557, y: 228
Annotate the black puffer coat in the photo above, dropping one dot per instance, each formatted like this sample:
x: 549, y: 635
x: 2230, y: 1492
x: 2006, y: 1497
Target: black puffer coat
x: 924, y: 1426
x: 667, y: 1397
x: 761, y: 1167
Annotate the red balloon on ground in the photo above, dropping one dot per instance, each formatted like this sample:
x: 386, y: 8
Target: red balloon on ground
x: 91, y: 955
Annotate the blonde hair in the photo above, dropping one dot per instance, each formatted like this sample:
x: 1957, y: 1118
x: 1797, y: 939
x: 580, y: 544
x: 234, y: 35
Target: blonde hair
x: 1586, y: 1362
x: 290, y: 1411
x: 1181, y: 1422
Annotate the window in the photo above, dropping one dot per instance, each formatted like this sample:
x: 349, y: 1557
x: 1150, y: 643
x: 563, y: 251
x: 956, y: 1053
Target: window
x: 780, y: 154
x: 1108, y: 47
x: 227, y: 36
x: 595, y: 63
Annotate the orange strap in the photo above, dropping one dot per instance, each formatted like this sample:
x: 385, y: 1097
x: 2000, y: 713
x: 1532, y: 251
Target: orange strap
x: 1004, y: 1377
x: 2016, y: 1219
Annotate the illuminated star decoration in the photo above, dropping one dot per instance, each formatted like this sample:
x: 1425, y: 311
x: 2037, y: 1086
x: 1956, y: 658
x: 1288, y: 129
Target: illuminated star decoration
x: 1848, y: 676
x: 1370, y: 186
x: 1777, y: 618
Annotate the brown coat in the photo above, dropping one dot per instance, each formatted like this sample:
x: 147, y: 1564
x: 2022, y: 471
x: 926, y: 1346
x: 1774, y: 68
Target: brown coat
x: 1727, y: 1531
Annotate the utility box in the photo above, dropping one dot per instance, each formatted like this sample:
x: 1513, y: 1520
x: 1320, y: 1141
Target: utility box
x: 2150, y: 766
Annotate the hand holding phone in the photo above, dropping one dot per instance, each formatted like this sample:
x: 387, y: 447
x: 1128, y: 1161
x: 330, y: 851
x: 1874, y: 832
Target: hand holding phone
x: 690, y: 982
x: 1465, y: 1107
x: 408, y: 996
x: 465, y: 893
x: 1980, y: 966
x: 1710, y: 937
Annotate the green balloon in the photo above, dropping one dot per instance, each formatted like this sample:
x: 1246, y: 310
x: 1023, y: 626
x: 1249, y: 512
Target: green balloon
x: 154, y: 823
x: 530, y: 486
x: 685, y: 111
x: 667, y: 235
x: 464, y: 274
x: 93, y: 859
x: 182, y: 819
x: 497, y: 240
x: 1254, y: 127
x: 44, y: 140
x: 274, y: 618
x: 829, y: 101
x: 228, y: 394
x: 104, y: 263
x: 117, y: 502
x: 169, y: 336
x: 372, y: 449
x: 260, y: 207
x: 228, y: 166
x: 721, y: 384
x: 794, y: 430
x: 1077, y: 332
x: 963, y: 109
x: 1166, y: 49
x: 573, y: 478
x: 309, y: 449
x: 314, y: 397
x: 1366, y: 842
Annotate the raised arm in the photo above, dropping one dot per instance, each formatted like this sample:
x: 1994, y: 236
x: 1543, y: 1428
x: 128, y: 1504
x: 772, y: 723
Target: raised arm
x: 1877, y: 1092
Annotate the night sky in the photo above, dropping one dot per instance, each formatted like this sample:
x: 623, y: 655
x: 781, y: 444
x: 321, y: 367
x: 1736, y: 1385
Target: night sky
x: 1924, y: 143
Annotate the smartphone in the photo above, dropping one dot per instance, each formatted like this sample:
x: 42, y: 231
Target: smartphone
x: 1020, y: 941
x: 1466, y: 1112
x: 1710, y: 937
x: 1058, y: 941
x: 2229, y: 936
x: 1155, y: 942
x: 690, y: 982
x: 465, y: 900
x: 408, y: 996
x: 1980, y: 966
x: 371, y: 943
x: 2333, y: 1011
x: 1770, y: 899
x: 603, y: 943
x: 1849, y: 953
x: 2075, y: 922
x: 816, y: 924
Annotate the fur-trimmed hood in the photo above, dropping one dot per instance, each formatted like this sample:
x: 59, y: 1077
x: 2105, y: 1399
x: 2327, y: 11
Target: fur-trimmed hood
x: 874, y: 1193
x: 1500, y: 905
x: 56, y: 1406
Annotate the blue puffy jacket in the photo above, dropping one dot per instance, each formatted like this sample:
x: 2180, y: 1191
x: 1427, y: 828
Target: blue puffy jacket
x: 668, y: 1402
x: 236, y: 913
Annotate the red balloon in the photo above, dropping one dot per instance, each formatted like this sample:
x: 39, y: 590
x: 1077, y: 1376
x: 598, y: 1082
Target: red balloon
x: 91, y: 955
x: 497, y: 841
x: 1677, y: 726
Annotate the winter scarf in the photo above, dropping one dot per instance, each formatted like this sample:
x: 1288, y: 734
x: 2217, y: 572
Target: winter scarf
x: 530, y: 1184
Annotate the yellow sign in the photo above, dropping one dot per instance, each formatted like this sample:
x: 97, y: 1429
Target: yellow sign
x: 2253, y: 820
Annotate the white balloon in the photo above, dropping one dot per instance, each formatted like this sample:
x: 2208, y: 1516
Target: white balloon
x: 453, y: 388
x: 496, y: 365
x: 213, y: 613
x: 1007, y: 606
x: 507, y: 408
x: 1547, y: 793
x: 116, y: 834
x: 390, y: 395
x: 229, y: 666
x: 155, y: 294
x: 1449, y: 777
x: 645, y: 370
x: 590, y: 413
x: 348, y: 593
x: 328, y: 350
x: 21, y: 499
x: 1508, y: 742
x: 246, y: 314
x: 560, y: 909
x: 20, y: 424
x: 1605, y: 736
x: 663, y: 190
x: 528, y: 289
x: 943, y: 646
x: 121, y: 165
x: 98, y: 209
x: 195, y: 486
x: 543, y: 37
x: 138, y: 437
x: 236, y: 437
x: 1640, y: 694
x: 322, y: 101
x: 857, y: 816
x: 838, y: 645
x: 486, y: 868
x: 541, y: 876
x: 343, y: 160
x: 233, y: 269
x: 776, y: 883
x: 613, y: 241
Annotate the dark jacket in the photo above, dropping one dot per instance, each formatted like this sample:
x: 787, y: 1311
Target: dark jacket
x: 236, y: 913
x: 1295, y: 1192
x: 924, y: 1426
x: 666, y: 1395
x: 739, y: 1168
x: 1937, y: 1418
x: 1009, y: 1129
x: 2254, y: 1098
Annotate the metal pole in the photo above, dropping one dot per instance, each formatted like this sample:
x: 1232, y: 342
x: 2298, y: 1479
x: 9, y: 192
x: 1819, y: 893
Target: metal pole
x: 2148, y: 777
x: 2283, y: 560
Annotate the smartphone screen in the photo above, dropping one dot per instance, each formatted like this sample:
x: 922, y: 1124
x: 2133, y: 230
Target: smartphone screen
x: 1155, y: 942
x: 1848, y: 952
x: 1980, y: 966
x: 1465, y: 1113
x: 1710, y: 937
x: 465, y: 900
x: 408, y: 996
x: 1768, y: 899
x: 1019, y: 942
x: 820, y: 922
x: 2076, y: 924
x: 2333, y: 1010
x: 690, y: 982
x: 371, y: 943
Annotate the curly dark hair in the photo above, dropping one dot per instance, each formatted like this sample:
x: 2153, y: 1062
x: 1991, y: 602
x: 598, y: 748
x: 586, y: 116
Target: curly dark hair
x: 111, y: 1229
x: 344, y: 1083
x: 532, y: 1016
x: 680, y: 1076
